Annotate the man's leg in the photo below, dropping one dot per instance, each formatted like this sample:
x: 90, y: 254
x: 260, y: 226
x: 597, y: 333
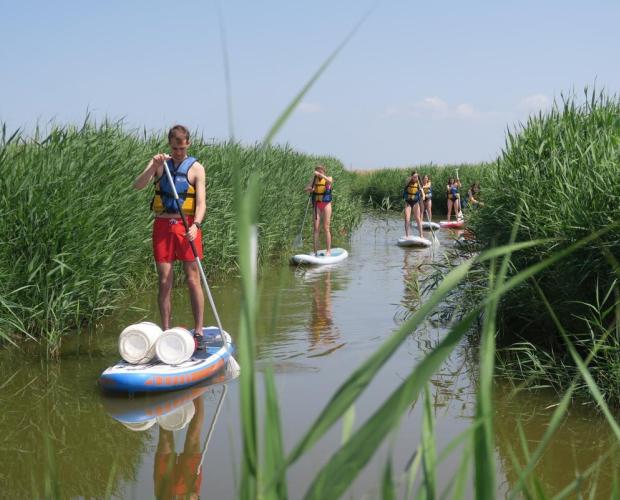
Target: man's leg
x: 196, y: 295
x: 165, y: 273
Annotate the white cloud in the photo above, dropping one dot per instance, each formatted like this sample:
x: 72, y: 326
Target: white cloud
x: 535, y: 102
x: 434, y: 104
x: 309, y: 107
x: 465, y: 110
x: 435, y: 107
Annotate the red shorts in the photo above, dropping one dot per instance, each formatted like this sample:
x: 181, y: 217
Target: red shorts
x: 177, y: 475
x: 320, y: 205
x: 170, y: 243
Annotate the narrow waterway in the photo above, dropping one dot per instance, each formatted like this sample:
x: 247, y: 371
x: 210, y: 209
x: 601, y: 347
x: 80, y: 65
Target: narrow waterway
x: 316, y: 326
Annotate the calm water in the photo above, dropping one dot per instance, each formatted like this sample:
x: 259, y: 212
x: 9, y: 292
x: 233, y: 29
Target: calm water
x: 315, y: 327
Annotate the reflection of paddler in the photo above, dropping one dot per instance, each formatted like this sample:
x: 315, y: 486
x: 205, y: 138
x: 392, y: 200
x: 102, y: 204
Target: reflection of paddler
x: 321, y: 320
x: 179, y: 475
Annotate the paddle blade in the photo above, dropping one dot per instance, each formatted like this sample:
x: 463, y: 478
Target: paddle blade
x: 298, y: 243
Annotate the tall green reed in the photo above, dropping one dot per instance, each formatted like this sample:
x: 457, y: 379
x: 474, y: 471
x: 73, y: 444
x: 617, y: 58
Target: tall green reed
x: 560, y: 170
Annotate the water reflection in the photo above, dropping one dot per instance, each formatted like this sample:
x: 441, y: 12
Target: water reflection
x: 322, y: 331
x: 175, y: 475
x: 581, y: 447
x: 54, y: 436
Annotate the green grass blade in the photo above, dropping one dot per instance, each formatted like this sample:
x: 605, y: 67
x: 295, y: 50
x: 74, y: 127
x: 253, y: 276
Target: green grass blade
x: 348, y: 392
x: 297, y: 99
x: 348, y: 421
x: 333, y: 479
x: 583, y: 370
x: 413, y: 470
x: 246, y: 203
x: 429, y: 454
x: 388, y: 492
x: 554, y: 423
x: 274, y: 449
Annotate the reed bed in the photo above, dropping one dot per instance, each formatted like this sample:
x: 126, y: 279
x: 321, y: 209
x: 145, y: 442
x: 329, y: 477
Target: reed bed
x: 383, y: 188
x: 75, y: 236
x: 558, y: 175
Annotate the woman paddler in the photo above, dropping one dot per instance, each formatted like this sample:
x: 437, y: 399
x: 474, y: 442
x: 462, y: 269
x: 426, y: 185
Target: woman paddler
x: 321, y: 188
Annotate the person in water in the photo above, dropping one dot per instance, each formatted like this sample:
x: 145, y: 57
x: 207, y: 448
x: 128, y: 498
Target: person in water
x: 453, y: 196
x: 179, y: 475
x: 413, y: 195
x: 472, y: 193
x: 321, y: 188
x: 428, y: 196
x: 170, y: 239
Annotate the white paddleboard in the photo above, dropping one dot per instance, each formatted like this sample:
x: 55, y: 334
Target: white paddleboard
x: 428, y: 225
x: 337, y: 254
x: 413, y: 241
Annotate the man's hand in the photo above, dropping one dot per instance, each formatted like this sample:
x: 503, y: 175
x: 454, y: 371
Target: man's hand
x: 192, y: 233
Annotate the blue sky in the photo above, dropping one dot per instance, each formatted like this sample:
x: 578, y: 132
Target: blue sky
x: 421, y: 81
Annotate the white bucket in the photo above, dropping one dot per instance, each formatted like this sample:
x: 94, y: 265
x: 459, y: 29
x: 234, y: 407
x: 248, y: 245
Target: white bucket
x: 177, y: 419
x: 139, y: 426
x: 136, y: 343
x: 175, y: 346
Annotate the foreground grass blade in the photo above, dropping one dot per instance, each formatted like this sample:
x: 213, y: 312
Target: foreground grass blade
x: 291, y: 107
x: 388, y: 491
x: 348, y: 392
x: 429, y: 462
x: 362, y: 376
x: 583, y: 369
x: 334, y: 478
x: 274, y: 450
x: 246, y: 201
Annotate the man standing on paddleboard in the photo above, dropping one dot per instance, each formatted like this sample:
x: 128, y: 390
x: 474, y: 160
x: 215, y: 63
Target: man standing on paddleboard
x: 170, y: 239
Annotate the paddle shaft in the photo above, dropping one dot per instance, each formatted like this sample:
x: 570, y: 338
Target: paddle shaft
x: 211, y: 427
x: 195, y: 252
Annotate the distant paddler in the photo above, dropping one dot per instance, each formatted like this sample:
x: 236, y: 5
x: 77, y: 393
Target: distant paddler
x: 321, y: 188
x: 171, y: 241
x: 414, y: 197
x: 428, y: 196
x: 453, y: 196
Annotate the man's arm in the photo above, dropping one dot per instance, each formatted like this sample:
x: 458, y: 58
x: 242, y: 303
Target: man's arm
x: 199, y: 181
x: 152, y: 169
x: 201, y: 192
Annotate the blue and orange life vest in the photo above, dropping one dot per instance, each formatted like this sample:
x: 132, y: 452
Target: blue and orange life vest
x: 163, y: 201
x: 453, y: 192
x: 322, y: 191
x: 428, y: 190
x: 412, y: 192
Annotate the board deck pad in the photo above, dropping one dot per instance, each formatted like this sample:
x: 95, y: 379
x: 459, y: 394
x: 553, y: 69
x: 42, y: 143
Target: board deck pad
x: 337, y: 255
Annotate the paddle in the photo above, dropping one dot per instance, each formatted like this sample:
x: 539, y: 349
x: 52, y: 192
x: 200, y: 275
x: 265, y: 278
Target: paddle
x: 430, y: 225
x: 298, y: 242
x: 195, y: 252
x: 211, y: 427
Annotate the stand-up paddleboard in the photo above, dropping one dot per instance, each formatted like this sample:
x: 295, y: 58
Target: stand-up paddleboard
x: 427, y: 225
x: 413, y: 241
x: 159, y: 377
x: 139, y: 413
x: 452, y: 223
x: 337, y: 254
